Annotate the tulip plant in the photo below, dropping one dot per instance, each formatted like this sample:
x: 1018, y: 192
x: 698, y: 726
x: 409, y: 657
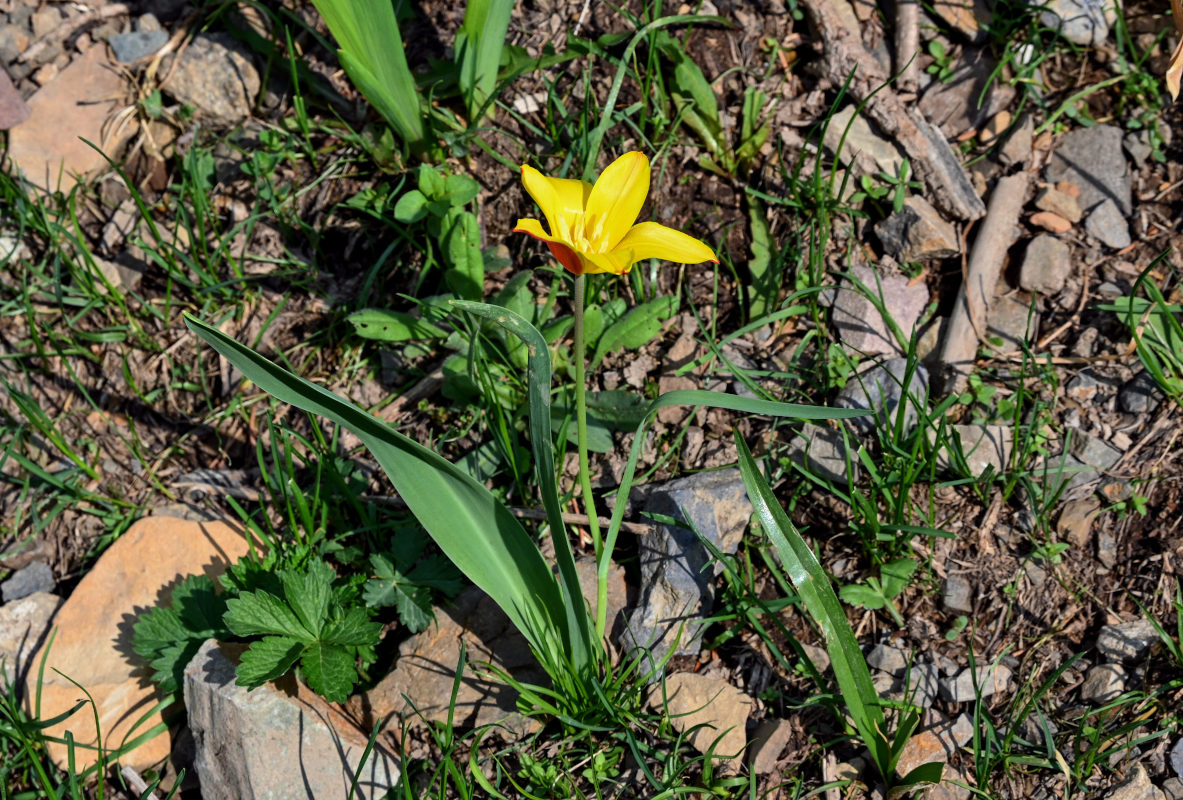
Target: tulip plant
x: 592, y: 229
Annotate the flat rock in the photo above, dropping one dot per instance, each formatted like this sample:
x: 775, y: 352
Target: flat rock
x: 1127, y: 641
x: 863, y: 145
x: 859, y: 324
x: 917, y: 232
x: 1050, y: 221
x: 1176, y: 758
x: 264, y: 743
x: 215, y: 75
x: 722, y: 711
x: 1013, y: 320
x: 677, y: 586
x: 93, y: 643
x: 923, y: 748
x: 1016, y: 148
x: 36, y: 577
x: 881, y: 389
x: 23, y: 625
x: 957, y: 595
x: 958, y: 105
x: 1135, y: 786
x: 1083, y: 22
x: 1060, y: 203
x: 1141, y: 394
x: 48, y: 146
x: 822, y: 452
x: 888, y: 659
x: 13, y: 110
x: 982, y: 445
x: 1094, y: 451
x: 1103, y: 683
x: 1046, y: 265
x: 966, y: 16
x: 1076, y: 520
x: 989, y: 679
x: 768, y: 742
x: 1092, y: 158
x: 1109, y: 226
x: 131, y: 47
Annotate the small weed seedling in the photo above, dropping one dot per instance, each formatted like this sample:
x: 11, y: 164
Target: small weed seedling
x: 877, y: 593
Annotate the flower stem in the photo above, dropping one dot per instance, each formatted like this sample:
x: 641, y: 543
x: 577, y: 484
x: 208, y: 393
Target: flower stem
x: 585, y: 489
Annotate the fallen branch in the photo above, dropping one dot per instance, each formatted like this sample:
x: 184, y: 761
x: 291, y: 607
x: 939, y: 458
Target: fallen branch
x: 933, y: 161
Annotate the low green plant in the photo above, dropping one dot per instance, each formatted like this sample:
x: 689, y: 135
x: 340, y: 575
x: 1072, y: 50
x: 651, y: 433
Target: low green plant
x: 942, y: 66
x: 876, y: 593
x: 1156, y: 325
x: 410, y: 582
x: 885, y: 186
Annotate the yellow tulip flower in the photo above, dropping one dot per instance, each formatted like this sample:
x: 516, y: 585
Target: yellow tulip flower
x: 592, y: 227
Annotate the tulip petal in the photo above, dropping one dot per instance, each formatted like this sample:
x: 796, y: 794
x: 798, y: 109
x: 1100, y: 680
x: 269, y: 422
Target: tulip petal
x: 616, y: 199
x: 561, y: 251
x: 561, y: 199
x: 654, y: 240
x: 1175, y: 71
x: 617, y: 262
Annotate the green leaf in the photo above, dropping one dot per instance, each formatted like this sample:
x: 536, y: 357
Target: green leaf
x: 895, y: 576
x: 200, y: 607
x: 462, y: 243
x: 411, y: 207
x: 308, y: 592
x: 460, y: 190
x: 267, y: 659
x: 616, y: 408
x: 414, y: 608
x: 636, y: 328
x: 857, y: 594
x: 393, y: 326
x: 329, y: 670
x: 765, y: 283
x: 431, y: 182
x: 438, y: 573
x: 263, y: 614
x: 380, y: 591
x: 354, y: 629
x: 478, y: 51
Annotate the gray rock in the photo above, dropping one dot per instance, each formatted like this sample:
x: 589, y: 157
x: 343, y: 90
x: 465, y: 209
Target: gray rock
x: 822, y: 452
x: 957, y: 596
x: 886, y: 685
x: 917, y: 233
x: 120, y: 273
x: 859, y: 324
x: 1017, y: 147
x: 922, y: 685
x: 982, y: 446
x: 1012, y: 320
x: 968, y: 98
x: 1103, y: 683
x: 990, y: 680
x: 1060, y: 203
x: 13, y: 110
x: 1046, y: 266
x: 1137, y: 144
x: 1126, y: 641
x: 881, y: 389
x: 1109, y: 226
x: 1172, y: 788
x: 216, y: 76
x: 1081, y: 22
x: 1092, y: 158
x: 818, y: 655
x: 14, y: 40
x: 45, y: 21
x: 1141, y: 394
x: 1094, y: 451
x: 888, y: 659
x: 36, y: 577
x: 263, y: 744
x: 1177, y: 757
x: 678, y: 589
x: 131, y: 47
x: 23, y: 625
x: 1085, y: 386
x: 1135, y: 786
x: 1106, y: 548
x: 768, y: 742
x: 863, y: 145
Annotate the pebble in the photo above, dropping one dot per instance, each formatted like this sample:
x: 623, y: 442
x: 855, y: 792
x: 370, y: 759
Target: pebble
x: 131, y: 47
x: 1177, y: 757
x: 1173, y: 788
x: 1060, y: 203
x: 982, y: 445
x: 1076, y: 519
x: 1013, y: 320
x: 1051, y: 222
x: 36, y: 577
x: 858, y: 323
x: 990, y: 680
x: 1126, y: 641
x: 768, y: 742
x: 1106, y: 548
x: 888, y: 659
x: 1140, y: 394
x: 1109, y: 226
x: 1137, y: 144
x: 46, y: 21
x: 917, y: 232
x: 1046, y: 265
x: 1103, y: 683
x: 1017, y: 147
x: 1135, y: 786
x: 822, y: 451
x: 46, y: 73
x: 216, y: 75
x: 13, y: 110
x: 1083, y: 388
x: 995, y: 127
x: 1093, y: 159
x: 957, y: 596
x: 1081, y: 22
x: 881, y: 388
x: 13, y: 42
x: 1094, y: 451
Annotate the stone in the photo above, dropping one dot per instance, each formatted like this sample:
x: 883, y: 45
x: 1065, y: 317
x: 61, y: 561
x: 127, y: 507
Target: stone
x: 969, y: 97
x: 1141, y: 394
x: 954, y: 785
x: 119, y: 273
x: 23, y: 625
x: 861, y: 327
x: 36, y: 577
x: 995, y: 127
x: 93, y: 643
x: 922, y: 685
x: 917, y: 232
x: 1106, y: 548
x: 45, y: 21
x: 14, y: 40
x: 1172, y: 788
x: 1084, y: 386
x: 989, y: 679
x: 818, y: 655
x: 888, y: 659
x: 1127, y: 641
x: 768, y: 742
x: 863, y: 146
x: 216, y: 76
x: 822, y: 452
x: 1103, y: 683
x: 1135, y: 786
x: 957, y: 596
x: 923, y: 748
x: 1092, y: 158
x: 1017, y: 147
x: 48, y: 146
x: 1177, y: 757
x: 1108, y: 225
x: 1094, y: 451
x: 677, y: 587
x: 13, y: 110
x: 1081, y: 22
x: 966, y: 16
x: 1046, y: 265
x: 982, y: 445
x: 1060, y: 203
x: 1076, y: 519
x: 1051, y: 222
x: 131, y: 47
x: 1137, y: 145
x: 881, y: 389
x: 263, y: 743
x: 722, y: 711
x: 1013, y: 320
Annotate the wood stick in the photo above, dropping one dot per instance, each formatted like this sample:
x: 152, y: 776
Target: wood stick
x: 933, y: 161
x: 907, y: 44
x: 968, y: 323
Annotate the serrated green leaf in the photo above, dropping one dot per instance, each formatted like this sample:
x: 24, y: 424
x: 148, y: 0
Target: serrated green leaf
x: 200, y: 607
x: 414, y: 607
x: 329, y: 671
x: 439, y: 573
x: 411, y: 207
x: 858, y: 595
x: 267, y: 659
x: 155, y: 629
x: 353, y: 629
x: 263, y: 614
x: 379, y: 591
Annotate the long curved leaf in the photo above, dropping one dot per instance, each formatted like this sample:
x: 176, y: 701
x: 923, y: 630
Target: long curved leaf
x: 474, y: 529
